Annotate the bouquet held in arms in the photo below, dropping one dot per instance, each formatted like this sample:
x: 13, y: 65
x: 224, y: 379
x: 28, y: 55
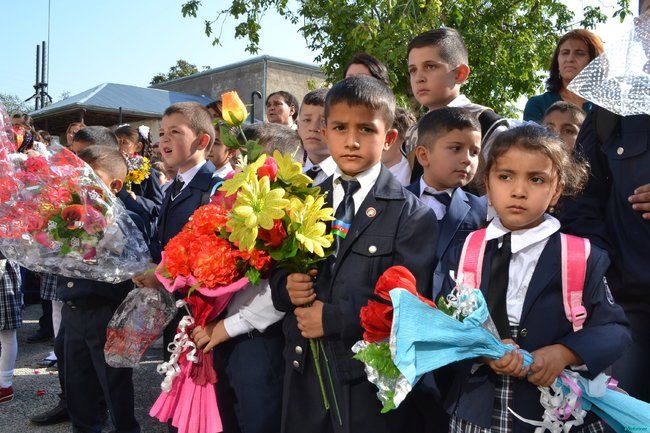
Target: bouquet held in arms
x: 262, y: 215
x: 57, y: 216
x: 460, y: 328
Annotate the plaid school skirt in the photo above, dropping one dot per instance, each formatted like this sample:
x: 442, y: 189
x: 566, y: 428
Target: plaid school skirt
x: 11, y: 297
x: 48, y: 287
x: 501, y: 416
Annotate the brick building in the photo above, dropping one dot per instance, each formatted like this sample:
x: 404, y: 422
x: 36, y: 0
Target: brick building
x: 263, y: 74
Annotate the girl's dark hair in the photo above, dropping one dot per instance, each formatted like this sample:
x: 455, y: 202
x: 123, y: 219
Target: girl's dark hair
x: 377, y: 69
x: 594, y: 46
x: 289, y: 99
x: 134, y: 134
x: 571, y: 172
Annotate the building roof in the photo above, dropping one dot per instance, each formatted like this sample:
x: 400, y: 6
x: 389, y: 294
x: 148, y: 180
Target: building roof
x: 101, y: 106
x: 259, y: 59
x: 109, y: 97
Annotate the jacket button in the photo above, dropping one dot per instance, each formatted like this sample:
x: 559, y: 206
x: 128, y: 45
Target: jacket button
x: 523, y: 332
x: 296, y: 364
x: 298, y: 350
x: 372, y: 249
x: 620, y: 151
x: 70, y: 284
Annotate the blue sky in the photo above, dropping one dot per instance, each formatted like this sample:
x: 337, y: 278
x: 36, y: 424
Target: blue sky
x: 128, y: 42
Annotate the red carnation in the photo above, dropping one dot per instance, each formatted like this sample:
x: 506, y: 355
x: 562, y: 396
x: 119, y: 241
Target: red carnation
x: 37, y: 164
x: 73, y: 215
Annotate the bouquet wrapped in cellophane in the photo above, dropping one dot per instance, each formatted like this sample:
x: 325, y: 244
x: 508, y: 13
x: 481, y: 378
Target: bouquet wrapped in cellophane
x: 57, y: 216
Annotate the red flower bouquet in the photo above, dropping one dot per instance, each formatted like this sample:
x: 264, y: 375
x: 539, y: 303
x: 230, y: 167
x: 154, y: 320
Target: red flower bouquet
x: 57, y: 216
x: 375, y: 348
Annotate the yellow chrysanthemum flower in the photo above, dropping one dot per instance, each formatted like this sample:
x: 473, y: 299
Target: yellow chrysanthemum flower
x: 257, y: 205
x: 290, y: 171
x: 246, y: 176
x: 308, y: 219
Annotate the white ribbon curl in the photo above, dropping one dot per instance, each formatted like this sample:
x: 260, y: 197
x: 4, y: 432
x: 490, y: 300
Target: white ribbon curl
x: 178, y: 346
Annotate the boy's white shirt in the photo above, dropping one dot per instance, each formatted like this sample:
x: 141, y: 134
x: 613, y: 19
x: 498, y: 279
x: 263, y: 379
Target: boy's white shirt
x: 327, y: 168
x: 189, y: 174
x: 438, y: 208
x: 251, y: 309
x: 402, y: 171
x: 224, y: 171
x: 527, y: 246
x: 366, y: 179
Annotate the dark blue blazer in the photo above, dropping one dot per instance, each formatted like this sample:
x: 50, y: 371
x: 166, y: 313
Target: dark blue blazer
x: 400, y: 231
x: 149, y: 194
x: 602, y: 340
x: 174, y: 214
x: 465, y: 213
x: 602, y: 212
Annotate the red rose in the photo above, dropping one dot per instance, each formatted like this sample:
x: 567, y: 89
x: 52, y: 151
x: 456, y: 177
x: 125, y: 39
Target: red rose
x: 270, y: 169
x: 398, y: 277
x: 37, y: 164
x: 273, y: 238
x: 376, y: 320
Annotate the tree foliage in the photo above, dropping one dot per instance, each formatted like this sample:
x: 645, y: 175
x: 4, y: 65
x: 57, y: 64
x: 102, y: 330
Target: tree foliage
x: 182, y: 68
x: 509, y: 41
x: 14, y: 105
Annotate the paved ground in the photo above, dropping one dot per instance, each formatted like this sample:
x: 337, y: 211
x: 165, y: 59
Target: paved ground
x: 36, y: 389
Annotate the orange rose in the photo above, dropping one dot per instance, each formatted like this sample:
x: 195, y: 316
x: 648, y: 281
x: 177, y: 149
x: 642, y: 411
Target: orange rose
x: 233, y: 109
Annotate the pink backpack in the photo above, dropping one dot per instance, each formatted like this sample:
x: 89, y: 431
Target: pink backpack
x: 575, y: 252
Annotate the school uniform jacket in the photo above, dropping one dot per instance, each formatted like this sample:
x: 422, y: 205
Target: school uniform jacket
x: 602, y: 340
x: 174, y: 214
x: 603, y: 213
x: 391, y: 227
x: 465, y: 213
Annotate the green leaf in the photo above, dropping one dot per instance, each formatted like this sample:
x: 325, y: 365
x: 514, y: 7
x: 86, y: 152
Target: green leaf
x: 228, y: 138
x: 377, y: 355
x: 253, y: 275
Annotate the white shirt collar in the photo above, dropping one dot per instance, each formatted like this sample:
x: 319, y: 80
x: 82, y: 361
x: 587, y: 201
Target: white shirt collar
x: 224, y: 171
x: 366, y: 178
x: 523, y: 238
x: 189, y: 174
x: 424, y: 186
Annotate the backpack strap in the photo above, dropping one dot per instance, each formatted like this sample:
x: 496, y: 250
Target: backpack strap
x: 575, y: 252
x: 471, y: 259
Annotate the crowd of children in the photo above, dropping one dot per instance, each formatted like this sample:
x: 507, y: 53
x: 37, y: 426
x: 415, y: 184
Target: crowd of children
x: 411, y: 192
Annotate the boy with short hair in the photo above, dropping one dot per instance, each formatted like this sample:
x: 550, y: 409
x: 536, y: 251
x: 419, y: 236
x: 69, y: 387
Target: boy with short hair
x: 438, y: 66
x: 565, y: 120
x: 319, y: 165
x: 92, y: 135
x: 448, y: 149
x: 393, y: 159
x: 87, y: 309
x: 358, y: 128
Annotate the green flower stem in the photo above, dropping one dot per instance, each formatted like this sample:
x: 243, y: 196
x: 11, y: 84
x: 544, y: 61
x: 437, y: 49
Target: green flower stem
x: 313, y: 345
x: 329, y: 377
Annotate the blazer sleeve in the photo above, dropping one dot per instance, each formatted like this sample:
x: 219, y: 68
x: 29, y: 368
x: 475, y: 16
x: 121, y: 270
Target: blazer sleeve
x: 415, y: 246
x: 279, y: 294
x: 606, y: 332
x: 585, y: 216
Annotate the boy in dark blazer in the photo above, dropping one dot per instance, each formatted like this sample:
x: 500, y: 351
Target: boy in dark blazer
x: 385, y: 226
x: 87, y: 309
x: 449, y: 145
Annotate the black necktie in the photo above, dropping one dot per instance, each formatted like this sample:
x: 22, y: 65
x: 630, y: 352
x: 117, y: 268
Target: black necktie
x: 498, y: 288
x: 441, y: 197
x: 177, y: 187
x: 313, y: 171
x: 344, y: 212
